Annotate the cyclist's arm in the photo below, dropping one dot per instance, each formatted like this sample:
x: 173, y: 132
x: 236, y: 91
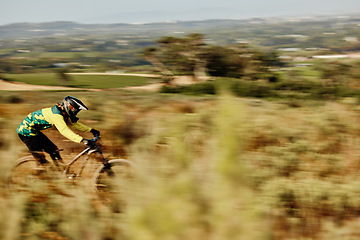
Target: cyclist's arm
x: 58, y: 121
x: 80, y: 127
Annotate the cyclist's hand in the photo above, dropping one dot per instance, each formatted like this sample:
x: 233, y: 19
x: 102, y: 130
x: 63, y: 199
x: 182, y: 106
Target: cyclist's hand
x: 87, y: 142
x: 95, y: 132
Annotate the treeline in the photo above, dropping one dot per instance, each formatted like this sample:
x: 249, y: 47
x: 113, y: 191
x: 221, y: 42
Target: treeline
x: 249, y: 72
x: 295, y: 90
x: 192, y: 55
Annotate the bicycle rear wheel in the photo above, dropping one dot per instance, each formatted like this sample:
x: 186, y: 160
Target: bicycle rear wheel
x: 25, y: 173
x: 113, y: 183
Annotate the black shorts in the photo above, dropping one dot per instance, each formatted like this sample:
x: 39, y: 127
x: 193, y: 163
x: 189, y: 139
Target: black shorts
x: 39, y: 143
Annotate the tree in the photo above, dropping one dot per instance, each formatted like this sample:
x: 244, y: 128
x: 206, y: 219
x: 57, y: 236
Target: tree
x: 190, y: 55
x: 262, y: 64
x: 354, y: 73
x: 182, y: 55
x: 225, y: 62
x: 334, y: 73
x: 63, y: 76
x: 150, y: 54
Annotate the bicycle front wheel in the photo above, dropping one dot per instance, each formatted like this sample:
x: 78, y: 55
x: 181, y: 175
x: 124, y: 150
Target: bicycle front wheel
x: 113, y: 183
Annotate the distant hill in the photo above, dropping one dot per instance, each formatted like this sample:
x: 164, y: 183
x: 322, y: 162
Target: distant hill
x: 49, y: 29
x: 337, y: 33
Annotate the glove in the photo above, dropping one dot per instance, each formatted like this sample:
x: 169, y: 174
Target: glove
x: 87, y: 142
x: 95, y: 132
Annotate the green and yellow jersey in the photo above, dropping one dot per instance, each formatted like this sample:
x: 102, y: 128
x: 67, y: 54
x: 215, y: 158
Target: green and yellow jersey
x: 48, y: 117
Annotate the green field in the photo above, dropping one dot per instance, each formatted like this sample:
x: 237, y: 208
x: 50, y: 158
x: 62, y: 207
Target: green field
x: 79, y: 81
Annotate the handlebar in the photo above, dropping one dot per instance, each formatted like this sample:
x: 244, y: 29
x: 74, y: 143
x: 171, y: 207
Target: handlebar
x: 91, y: 142
x: 97, y: 137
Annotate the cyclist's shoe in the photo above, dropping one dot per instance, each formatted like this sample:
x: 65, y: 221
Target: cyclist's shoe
x: 40, y: 157
x: 43, y: 170
x: 43, y: 161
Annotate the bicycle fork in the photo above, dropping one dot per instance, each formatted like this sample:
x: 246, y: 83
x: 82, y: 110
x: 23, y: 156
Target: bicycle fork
x: 107, y: 168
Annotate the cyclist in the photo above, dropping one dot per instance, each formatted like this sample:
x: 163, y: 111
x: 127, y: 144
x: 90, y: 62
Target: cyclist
x: 61, y: 115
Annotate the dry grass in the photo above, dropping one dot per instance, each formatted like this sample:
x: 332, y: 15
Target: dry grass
x: 208, y: 168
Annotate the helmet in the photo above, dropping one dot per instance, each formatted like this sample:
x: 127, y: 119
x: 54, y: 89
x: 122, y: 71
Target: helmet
x: 72, y: 107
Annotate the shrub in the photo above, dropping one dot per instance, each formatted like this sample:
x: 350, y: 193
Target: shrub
x: 193, y: 89
x: 253, y: 89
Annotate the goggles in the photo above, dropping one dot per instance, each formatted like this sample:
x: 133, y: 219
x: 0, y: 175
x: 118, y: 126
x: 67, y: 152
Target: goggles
x: 73, y: 110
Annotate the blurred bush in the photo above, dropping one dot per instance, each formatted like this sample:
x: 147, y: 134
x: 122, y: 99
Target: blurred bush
x: 210, y: 167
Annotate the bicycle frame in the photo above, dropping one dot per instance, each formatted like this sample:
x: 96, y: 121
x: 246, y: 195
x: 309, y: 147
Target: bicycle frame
x: 88, y: 151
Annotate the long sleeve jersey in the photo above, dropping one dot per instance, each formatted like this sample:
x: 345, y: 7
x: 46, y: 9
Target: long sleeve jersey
x: 48, y: 117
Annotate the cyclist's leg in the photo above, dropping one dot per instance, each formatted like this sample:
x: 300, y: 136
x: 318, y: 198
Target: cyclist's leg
x: 50, y: 148
x: 35, y: 147
x: 55, y: 156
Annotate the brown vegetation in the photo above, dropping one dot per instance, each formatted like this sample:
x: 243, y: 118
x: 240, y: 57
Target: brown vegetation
x: 209, y: 168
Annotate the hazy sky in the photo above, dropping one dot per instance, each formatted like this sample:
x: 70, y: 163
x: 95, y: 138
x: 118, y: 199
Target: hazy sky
x: 131, y: 11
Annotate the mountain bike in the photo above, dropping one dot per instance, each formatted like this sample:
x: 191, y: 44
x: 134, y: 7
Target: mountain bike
x: 110, y: 179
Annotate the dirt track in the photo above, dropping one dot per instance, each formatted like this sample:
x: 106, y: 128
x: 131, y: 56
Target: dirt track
x: 18, y: 86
